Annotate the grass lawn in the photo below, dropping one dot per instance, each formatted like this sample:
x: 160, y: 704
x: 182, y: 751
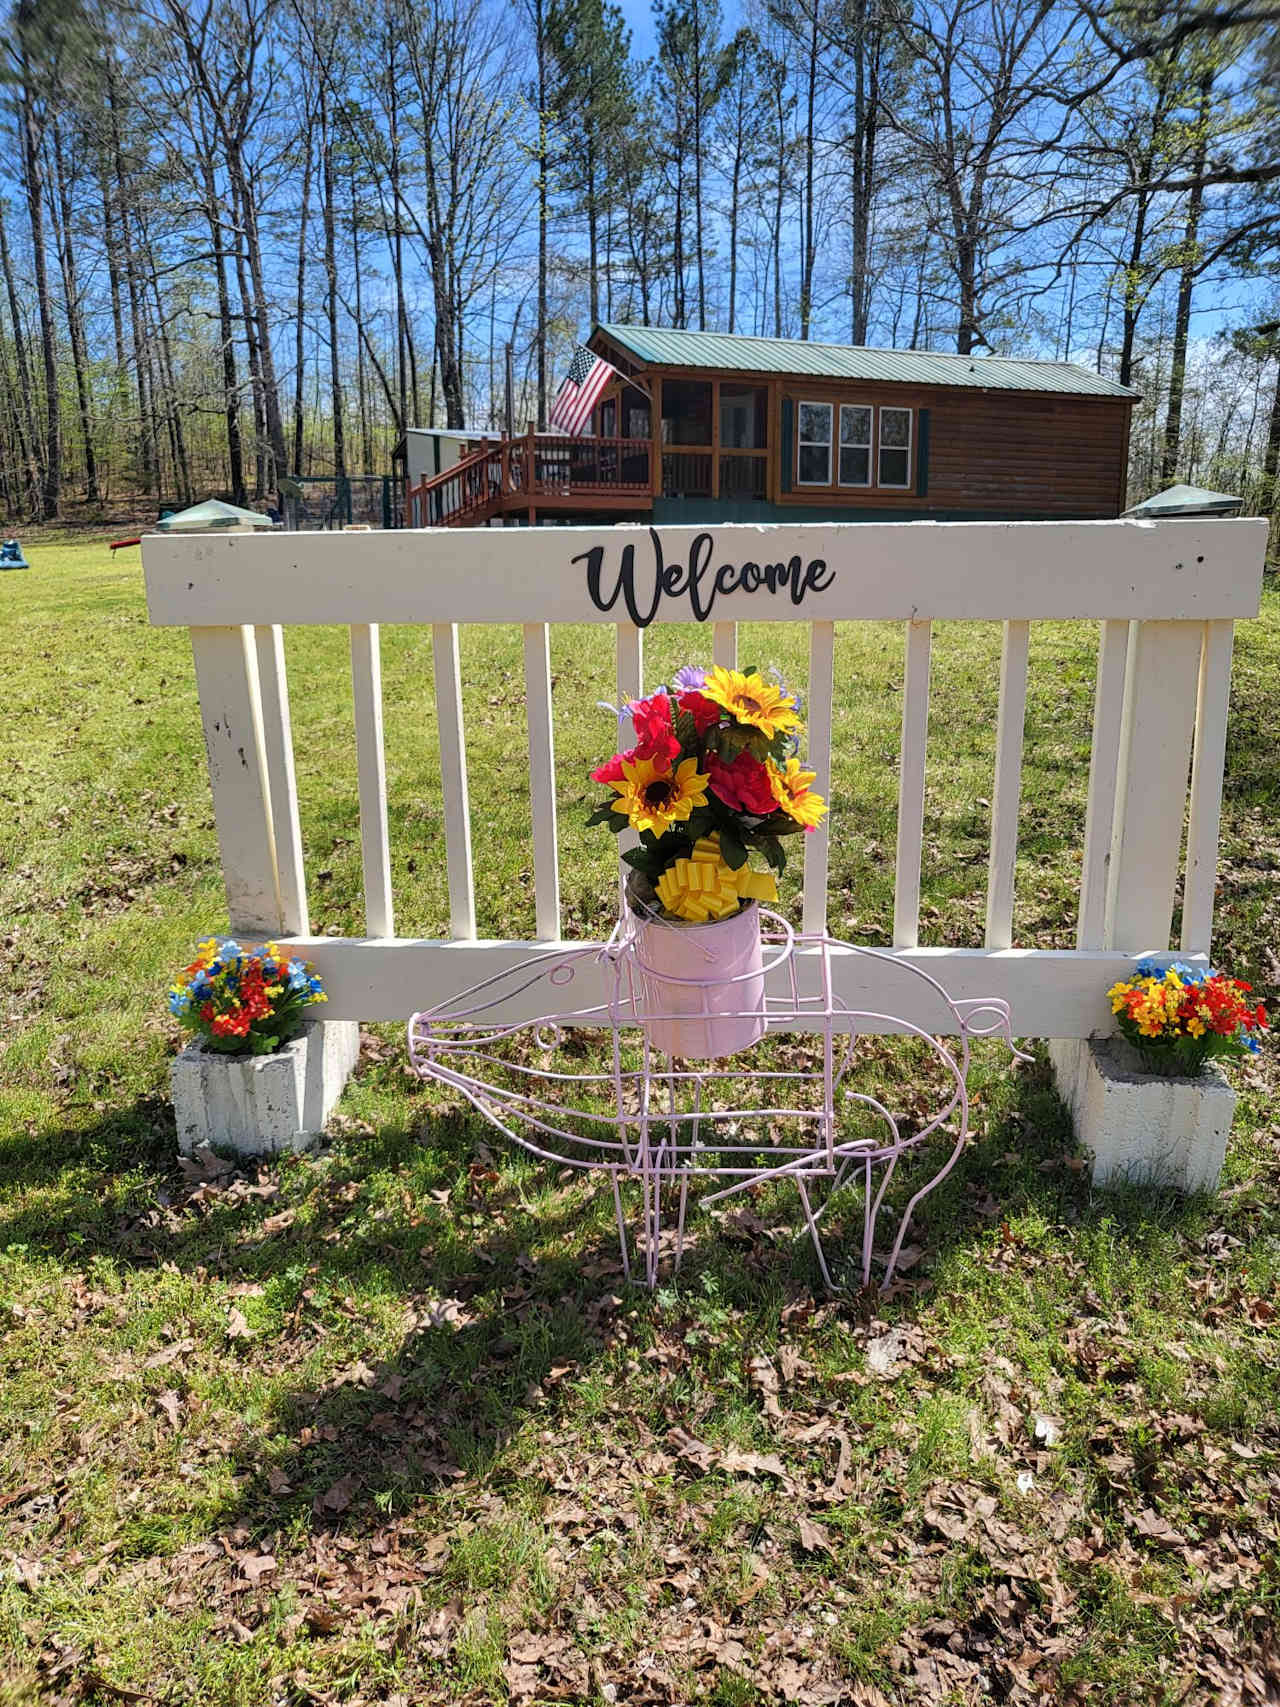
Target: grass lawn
x: 384, y: 1424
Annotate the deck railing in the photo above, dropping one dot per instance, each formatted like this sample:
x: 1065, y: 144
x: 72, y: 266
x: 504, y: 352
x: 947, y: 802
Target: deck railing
x: 1165, y: 596
x: 512, y: 472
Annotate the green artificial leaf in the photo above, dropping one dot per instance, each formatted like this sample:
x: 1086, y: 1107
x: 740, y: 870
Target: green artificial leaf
x: 601, y: 815
x: 686, y: 730
x: 639, y: 859
x: 750, y: 670
x: 733, y: 850
x: 772, y: 850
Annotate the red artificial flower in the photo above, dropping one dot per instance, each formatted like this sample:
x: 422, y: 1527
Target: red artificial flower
x: 655, y: 738
x: 742, y: 785
x: 704, y: 712
x: 611, y: 769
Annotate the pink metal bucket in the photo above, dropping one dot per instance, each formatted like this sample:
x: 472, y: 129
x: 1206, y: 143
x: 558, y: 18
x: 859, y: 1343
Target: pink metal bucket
x: 702, y: 986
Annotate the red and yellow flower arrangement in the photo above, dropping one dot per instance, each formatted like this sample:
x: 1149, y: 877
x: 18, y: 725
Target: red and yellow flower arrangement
x: 244, y: 1001
x: 1178, y: 1017
x: 714, y: 779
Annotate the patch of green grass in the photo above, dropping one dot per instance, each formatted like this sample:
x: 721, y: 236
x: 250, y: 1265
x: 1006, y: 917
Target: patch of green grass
x: 449, y: 1425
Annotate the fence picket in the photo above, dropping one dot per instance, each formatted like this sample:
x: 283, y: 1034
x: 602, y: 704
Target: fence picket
x: 822, y: 650
x: 1207, y: 766
x: 282, y: 787
x: 915, y: 733
x: 542, y: 777
x: 453, y: 778
x: 1161, y: 674
x: 1104, y: 771
x: 371, y: 769
x: 724, y: 644
x: 227, y: 682
x: 1008, y: 784
x: 630, y: 679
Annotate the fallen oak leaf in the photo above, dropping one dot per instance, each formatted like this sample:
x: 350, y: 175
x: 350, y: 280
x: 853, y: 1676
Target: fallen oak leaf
x: 813, y: 1538
x: 764, y: 1378
x: 337, y: 1498
x: 237, y: 1325
x: 167, y: 1354
x: 255, y: 1566
x: 171, y: 1405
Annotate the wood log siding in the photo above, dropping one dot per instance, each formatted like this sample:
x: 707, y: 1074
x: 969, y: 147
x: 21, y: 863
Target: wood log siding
x: 1014, y: 452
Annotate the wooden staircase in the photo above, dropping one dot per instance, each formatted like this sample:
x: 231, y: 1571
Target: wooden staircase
x: 536, y: 473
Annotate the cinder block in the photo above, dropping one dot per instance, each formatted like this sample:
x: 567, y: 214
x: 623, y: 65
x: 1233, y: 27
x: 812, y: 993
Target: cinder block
x: 1143, y: 1128
x: 263, y: 1104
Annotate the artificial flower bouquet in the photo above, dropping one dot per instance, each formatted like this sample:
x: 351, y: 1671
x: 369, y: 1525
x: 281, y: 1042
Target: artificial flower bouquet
x: 713, y: 785
x: 244, y: 1001
x: 1181, y: 1016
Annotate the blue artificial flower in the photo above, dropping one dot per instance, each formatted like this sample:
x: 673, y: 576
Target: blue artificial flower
x: 177, y: 1002
x: 791, y: 694
x: 1251, y: 1043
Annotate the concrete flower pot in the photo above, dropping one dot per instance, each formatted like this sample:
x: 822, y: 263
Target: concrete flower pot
x: 1144, y: 1128
x: 261, y: 1105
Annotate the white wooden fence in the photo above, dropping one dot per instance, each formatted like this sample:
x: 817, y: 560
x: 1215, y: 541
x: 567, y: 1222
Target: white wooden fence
x: 1166, y: 596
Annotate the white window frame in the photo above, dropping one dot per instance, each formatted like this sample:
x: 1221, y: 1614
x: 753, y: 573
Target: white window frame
x: 814, y: 403
x: 857, y: 485
x: 909, y: 447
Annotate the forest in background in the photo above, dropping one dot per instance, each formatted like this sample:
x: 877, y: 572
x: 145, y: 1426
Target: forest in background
x: 245, y: 239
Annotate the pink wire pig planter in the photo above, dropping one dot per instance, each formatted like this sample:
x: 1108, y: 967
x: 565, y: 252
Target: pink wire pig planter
x: 652, y: 1118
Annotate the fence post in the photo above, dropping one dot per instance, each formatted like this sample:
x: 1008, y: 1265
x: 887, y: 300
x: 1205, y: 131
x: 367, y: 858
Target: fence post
x: 231, y: 710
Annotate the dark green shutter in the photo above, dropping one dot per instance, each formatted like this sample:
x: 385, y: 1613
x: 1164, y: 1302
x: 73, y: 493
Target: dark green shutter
x: 922, y: 453
x: 788, y: 451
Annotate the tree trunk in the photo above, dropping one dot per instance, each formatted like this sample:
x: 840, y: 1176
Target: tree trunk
x: 544, y: 209
x: 299, y: 336
x: 65, y: 242
x: 1186, y: 287
x: 806, y: 280
x: 32, y: 134
x: 266, y: 362
x: 226, y: 335
x: 366, y: 439
x: 24, y: 406
x: 331, y: 287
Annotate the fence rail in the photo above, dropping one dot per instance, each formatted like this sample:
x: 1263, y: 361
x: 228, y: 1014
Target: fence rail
x: 1166, y: 597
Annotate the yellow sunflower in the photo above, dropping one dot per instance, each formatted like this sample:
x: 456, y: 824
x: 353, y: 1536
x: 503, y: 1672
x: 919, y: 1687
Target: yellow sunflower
x: 655, y: 799
x: 751, y: 700
x: 792, y: 792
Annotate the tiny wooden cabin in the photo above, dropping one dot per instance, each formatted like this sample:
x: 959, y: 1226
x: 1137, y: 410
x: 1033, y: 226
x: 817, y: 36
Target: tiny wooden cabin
x: 708, y: 427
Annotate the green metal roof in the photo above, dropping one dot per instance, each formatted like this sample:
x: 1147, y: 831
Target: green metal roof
x: 213, y: 513
x: 661, y: 346
x: 1184, y: 500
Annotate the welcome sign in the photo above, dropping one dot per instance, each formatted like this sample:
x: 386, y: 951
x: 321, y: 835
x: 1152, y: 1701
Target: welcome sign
x: 613, y: 575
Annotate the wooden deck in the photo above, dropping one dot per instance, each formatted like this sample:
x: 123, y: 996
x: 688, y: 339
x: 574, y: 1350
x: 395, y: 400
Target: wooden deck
x: 537, y: 474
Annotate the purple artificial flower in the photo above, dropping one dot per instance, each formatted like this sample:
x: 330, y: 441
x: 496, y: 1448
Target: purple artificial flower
x: 689, y: 679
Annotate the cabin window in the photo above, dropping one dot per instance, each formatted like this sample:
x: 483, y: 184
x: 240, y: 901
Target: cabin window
x: 609, y: 419
x: 686, y: 412
x: 855, y: 444
x: 744, y: 417
x: 814, y: 444
x: 895, y: 447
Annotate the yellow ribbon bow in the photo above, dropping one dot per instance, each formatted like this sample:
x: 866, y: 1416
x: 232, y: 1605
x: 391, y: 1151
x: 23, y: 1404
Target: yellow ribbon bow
x: 703, y: 887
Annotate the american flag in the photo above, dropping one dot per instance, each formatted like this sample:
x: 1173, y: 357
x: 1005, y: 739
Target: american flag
x: 576, y: 398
